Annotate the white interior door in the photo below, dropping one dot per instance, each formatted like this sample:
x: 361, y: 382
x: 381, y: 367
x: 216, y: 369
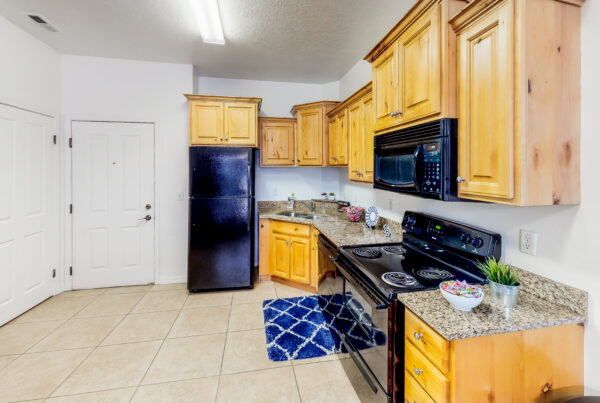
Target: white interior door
x: 113, y: 190
x: 29, y: 227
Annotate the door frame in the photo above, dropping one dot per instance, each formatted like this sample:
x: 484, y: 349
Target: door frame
x: 67, y: 199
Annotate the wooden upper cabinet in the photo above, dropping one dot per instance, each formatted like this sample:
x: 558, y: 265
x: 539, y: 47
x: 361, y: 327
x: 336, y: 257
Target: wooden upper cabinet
x: 206, y: 123
x: 332, y: 139
x: 414, y: 74
x: 312, y: 137
x: 226, y: 121
x: 419, y: 57
x: 240, y: 123
x: 355, y: 133
x: 486, y: 126
x: 519, y: 101
x: 368, y: 139
x: 385, y: 88
x: 277, y: 141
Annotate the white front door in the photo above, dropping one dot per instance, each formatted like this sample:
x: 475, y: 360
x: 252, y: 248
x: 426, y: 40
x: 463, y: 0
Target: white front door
x: 113, y: 204
x: 29, y: 227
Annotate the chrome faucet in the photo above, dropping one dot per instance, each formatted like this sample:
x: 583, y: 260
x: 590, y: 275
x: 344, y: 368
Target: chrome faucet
x: 311, y: 206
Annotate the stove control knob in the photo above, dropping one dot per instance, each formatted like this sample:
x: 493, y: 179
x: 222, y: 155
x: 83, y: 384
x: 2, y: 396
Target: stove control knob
x: 465, y: 238
x: 411, y: 220
x: 477, y: 242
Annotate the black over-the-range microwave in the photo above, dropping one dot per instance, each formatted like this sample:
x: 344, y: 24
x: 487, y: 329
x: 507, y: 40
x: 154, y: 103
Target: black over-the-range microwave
x: 419, y: 160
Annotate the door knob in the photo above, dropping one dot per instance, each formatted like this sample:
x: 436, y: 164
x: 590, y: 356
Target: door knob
x: 148, y: 206
x: 147, y: 218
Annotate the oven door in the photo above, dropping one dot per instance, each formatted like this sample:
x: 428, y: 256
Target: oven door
x: 398, y: 168
x: 364, y: 322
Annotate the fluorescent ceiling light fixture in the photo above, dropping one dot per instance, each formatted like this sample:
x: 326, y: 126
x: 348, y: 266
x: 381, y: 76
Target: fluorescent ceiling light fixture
x: 209, y: 21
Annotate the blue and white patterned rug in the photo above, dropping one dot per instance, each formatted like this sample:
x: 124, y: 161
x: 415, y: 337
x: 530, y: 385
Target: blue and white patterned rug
x: 304, y: 327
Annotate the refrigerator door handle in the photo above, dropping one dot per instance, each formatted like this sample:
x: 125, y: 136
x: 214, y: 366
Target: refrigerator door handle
x: 249, y: 181
x: 250, y: 202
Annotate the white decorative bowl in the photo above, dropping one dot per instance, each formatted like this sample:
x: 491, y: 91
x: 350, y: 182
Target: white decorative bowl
x: 461, y: 303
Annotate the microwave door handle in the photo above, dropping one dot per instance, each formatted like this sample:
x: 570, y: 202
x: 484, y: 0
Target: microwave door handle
x: 416, y: 165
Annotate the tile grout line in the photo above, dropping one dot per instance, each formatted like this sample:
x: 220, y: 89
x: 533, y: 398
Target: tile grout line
x: 297, y: 386
x: 91, y: 352
x: 224, y: 347
x: 158, y: 349
x: 61, y: 325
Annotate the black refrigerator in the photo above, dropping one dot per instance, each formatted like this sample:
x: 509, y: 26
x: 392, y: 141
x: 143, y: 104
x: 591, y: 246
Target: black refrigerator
x: 221, y: 232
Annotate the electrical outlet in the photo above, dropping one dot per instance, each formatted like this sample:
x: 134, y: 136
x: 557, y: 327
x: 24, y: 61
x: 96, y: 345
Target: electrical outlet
x: 528, y: 242
x: 275, y: 192
x: 390, y: 204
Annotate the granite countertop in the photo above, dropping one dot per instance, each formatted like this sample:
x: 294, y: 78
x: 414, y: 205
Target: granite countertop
x: 335, y: 227
x: 542, y: 301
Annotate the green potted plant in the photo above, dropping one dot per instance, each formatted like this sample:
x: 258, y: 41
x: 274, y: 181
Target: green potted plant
x: 504, y: 281
x: 331, y: 196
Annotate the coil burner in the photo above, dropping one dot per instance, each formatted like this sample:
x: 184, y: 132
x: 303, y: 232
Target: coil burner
x: 398, y: 279
x: 366, y: 253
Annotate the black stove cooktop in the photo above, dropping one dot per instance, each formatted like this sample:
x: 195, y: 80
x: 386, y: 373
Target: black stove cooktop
x: 433, y: 250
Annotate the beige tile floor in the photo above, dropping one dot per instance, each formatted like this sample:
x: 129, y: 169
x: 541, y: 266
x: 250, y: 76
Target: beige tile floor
x: 156, y: 343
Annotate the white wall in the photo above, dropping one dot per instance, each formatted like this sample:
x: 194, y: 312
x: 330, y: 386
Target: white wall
x: 277, y: 100
x: 29, y: 71
x: 567, y: 235
x: 355, y: 78
x: 123, y: 90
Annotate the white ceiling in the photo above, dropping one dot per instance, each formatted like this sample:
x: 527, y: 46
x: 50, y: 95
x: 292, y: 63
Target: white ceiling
x: 311, y: 41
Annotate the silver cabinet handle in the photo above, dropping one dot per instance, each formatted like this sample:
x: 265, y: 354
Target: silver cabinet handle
x: 418, y: 336
x: 398, y: 113
x: 418, y: 371
x: 392, y: 114
x: 460, y: 179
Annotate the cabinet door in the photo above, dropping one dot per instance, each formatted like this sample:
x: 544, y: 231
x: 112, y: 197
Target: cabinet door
x: 300, y: 260
x: 280, y: 255
x: 206, y: 123
x: 332, y: 139
x: 419, y: 54
x: 486, y: 128
x: 341, y: 144
x: 277, y: 145
x: 356, y: 142
x: 240, y: 124
x: 368, y: 139
x: 386, y: 88
x: 310, y: 137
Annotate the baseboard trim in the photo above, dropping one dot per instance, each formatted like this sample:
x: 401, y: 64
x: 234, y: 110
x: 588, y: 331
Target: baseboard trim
x: 171, y: 280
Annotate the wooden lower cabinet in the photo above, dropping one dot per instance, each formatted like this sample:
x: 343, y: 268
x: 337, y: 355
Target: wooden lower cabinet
x: 523, y: 366
x: 288, y: 252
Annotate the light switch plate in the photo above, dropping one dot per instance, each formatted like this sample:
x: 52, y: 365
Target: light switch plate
x: 528, y: 242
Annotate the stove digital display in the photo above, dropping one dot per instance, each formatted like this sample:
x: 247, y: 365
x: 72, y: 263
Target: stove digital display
x: 436, y: 228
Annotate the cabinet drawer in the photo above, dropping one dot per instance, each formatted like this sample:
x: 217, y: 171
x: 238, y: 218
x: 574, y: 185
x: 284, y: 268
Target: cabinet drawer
x: 413, y: 392
x: 427, y: 340
x: 291, y: 228
x: 426, y: 374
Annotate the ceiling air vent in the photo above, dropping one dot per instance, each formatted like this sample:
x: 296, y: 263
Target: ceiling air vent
x: 40, y: 20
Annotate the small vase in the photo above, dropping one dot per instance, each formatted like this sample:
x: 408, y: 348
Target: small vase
x: 504, y: 295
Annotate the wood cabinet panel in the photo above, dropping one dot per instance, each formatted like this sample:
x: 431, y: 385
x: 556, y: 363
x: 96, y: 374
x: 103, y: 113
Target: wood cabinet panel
x: 486, y: 127
x: 310, y: 137
x: 413, y: 392
x: 332, y: 139
x: 386, y: 88
x: 223, y: 121
x: 280, y: 255
x: 300, y: 259
x: 356, y: 135
x: 419, y: 56
x: 341, y: 143
x: 427, y: 340
x: 277, y: 141
x: 426, y: 374
x: 240, y: 124
x: 368, y: 140
x: 206, y: 123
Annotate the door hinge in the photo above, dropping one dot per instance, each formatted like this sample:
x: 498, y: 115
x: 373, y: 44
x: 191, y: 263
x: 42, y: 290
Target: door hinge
x: 528, y: 86
x: 70, y: 270
x: 53, y: 273
x: 70, y: 209
x: 54, y: 139
x: 70, y: 142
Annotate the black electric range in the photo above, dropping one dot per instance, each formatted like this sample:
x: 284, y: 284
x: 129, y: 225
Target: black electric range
x: 433, y: 250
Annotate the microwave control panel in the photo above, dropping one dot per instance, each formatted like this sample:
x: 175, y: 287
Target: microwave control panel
x: 432, y: 168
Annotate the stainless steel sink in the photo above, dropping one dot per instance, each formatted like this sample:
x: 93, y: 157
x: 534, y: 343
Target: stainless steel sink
x: 299, y: 215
